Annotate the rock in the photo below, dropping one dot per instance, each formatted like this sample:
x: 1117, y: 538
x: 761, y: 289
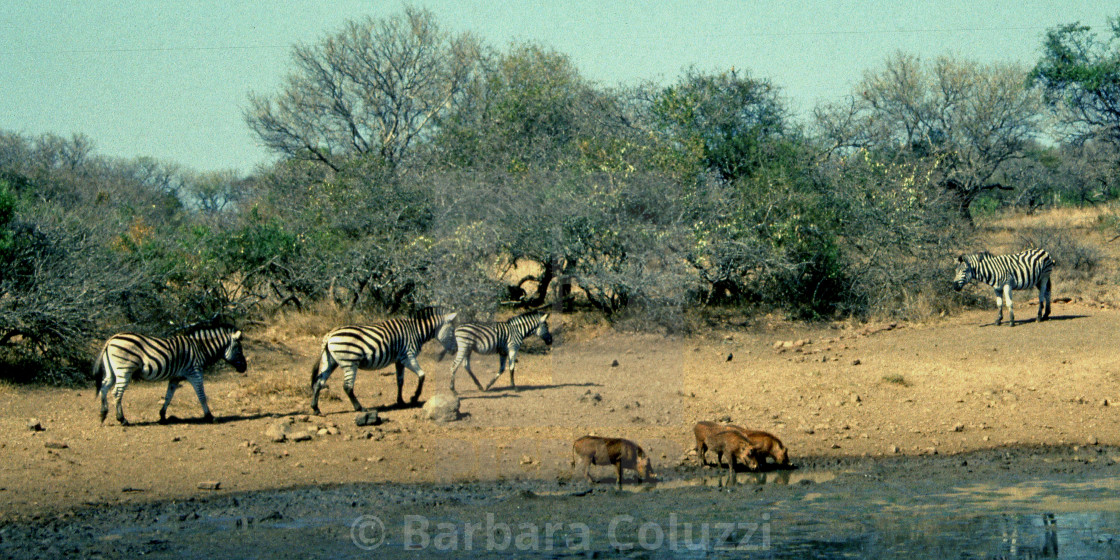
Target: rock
x: 894, y: 449
x: 443, y: 407
x: 35, y: 425
x: 1092, y: 440
x: 614, y: 363
x: 589, y: 397
x: 278, y: 431
x: 958, y: 428
x: 302, y: 435
x: 210, y: 485
x: 725, y: 418
x: 856, y: 362
x: 1104, y: 402
x: 56, y: 445
x: 368, y: 418
x: 527, y: 460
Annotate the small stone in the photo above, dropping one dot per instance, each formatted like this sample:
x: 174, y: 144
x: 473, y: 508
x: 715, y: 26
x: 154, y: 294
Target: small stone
x: 210, y: 485
x: 614, y: 363
x: 1091, y: 440
x: 856, y: 362
x: 1104, y: 402
x: 367, y: 418
x: 56, y: 445
x: 35, y: 425
x: 958, y: 428
x: 301, y: 435
x: 593, y: 398
x: 526, y: 460
x: 894, y: 449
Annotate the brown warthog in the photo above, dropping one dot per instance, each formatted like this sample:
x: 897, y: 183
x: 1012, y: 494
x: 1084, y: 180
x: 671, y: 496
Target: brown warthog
x: 735, y: 447
x: 767, y: 444
x: 702, y: 430
x: 622, y: 453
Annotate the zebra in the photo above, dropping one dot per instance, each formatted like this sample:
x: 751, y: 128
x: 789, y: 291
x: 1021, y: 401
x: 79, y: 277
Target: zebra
x: 503, y: 337
x: 184, y: 356
x: 1020, y: 271
x: 395, y: 341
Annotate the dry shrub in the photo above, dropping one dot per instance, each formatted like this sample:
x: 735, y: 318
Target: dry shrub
x: 1077, y: 260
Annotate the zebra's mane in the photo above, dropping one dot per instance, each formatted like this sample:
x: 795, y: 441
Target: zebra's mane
x: 527, y: 316
x: 977, y: 257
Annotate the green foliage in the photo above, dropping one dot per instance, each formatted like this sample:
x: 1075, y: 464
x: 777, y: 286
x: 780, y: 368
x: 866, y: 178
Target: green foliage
x: 1080, y: 75
x: 730, y: 123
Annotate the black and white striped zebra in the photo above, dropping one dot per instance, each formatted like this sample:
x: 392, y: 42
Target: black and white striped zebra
x: 1020, y: 271
x: 503, y: 338
x: 127, y: 355
x: 395, y: 341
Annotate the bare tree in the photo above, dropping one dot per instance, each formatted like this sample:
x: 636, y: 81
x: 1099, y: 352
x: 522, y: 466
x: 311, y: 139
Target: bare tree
x: 375, y: 87
x: 969, y: 117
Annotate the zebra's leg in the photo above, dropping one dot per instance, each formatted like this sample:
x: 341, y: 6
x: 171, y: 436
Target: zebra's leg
x: 172, y: 385
x: 512, y: 367
x: 501, y: 370
x: 323, y: 369
x: 195, y: 379
x: 118, y: 394
x: 1044, y: 297
x: 477, y: 383
x: 349, y: 374
x: 999, y: 305
x: 1010, y: 308
x: 410, y: 362
x: 462, y: 356
x: 106, y: 385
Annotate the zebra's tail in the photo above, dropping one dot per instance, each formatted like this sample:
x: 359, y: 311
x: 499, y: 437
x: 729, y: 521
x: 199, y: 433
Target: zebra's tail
x: 98, y: 376
x: 315, y: 370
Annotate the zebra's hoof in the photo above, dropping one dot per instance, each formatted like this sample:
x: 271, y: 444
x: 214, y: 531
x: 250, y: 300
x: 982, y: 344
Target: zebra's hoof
x: 209, y: 419
x: 163, y: 420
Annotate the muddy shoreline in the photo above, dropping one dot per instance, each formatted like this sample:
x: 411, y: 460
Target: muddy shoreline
x: 827, y: 506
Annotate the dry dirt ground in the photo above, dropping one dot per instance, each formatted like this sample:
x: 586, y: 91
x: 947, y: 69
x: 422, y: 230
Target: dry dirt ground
x: 946, y: 386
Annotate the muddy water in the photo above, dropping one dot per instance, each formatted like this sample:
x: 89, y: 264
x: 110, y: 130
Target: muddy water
x: 1021, y: 503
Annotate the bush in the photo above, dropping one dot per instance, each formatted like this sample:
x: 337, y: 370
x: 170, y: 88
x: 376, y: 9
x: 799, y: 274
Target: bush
x: 1068, y: 253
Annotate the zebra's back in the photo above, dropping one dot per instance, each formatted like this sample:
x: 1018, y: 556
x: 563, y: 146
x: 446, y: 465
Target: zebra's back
x: 483, y: 338
x: 149, y: 358
x: 374, y: 346
x: 1021, y: 270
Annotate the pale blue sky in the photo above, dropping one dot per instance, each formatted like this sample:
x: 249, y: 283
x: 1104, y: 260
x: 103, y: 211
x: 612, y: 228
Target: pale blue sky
x: 170, y: 78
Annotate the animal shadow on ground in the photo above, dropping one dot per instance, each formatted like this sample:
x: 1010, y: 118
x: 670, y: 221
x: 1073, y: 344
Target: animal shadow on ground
x: 1035, y: 320
x: 217, y: 419
x: 520, y: 388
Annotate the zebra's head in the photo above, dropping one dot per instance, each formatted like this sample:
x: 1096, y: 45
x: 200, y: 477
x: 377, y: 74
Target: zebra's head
x: 233, y: 353
x: 542, y: 330
x: 965, y: 272
x: 445, y: 334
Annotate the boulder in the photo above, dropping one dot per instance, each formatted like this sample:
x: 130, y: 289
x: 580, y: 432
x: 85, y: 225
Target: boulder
x: 443, y: 407
x: 278, y: 431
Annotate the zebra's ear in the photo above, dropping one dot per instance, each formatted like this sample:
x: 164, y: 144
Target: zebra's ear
x: 544, y: 317
x: 236, y: 335
x: 452, y: 317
